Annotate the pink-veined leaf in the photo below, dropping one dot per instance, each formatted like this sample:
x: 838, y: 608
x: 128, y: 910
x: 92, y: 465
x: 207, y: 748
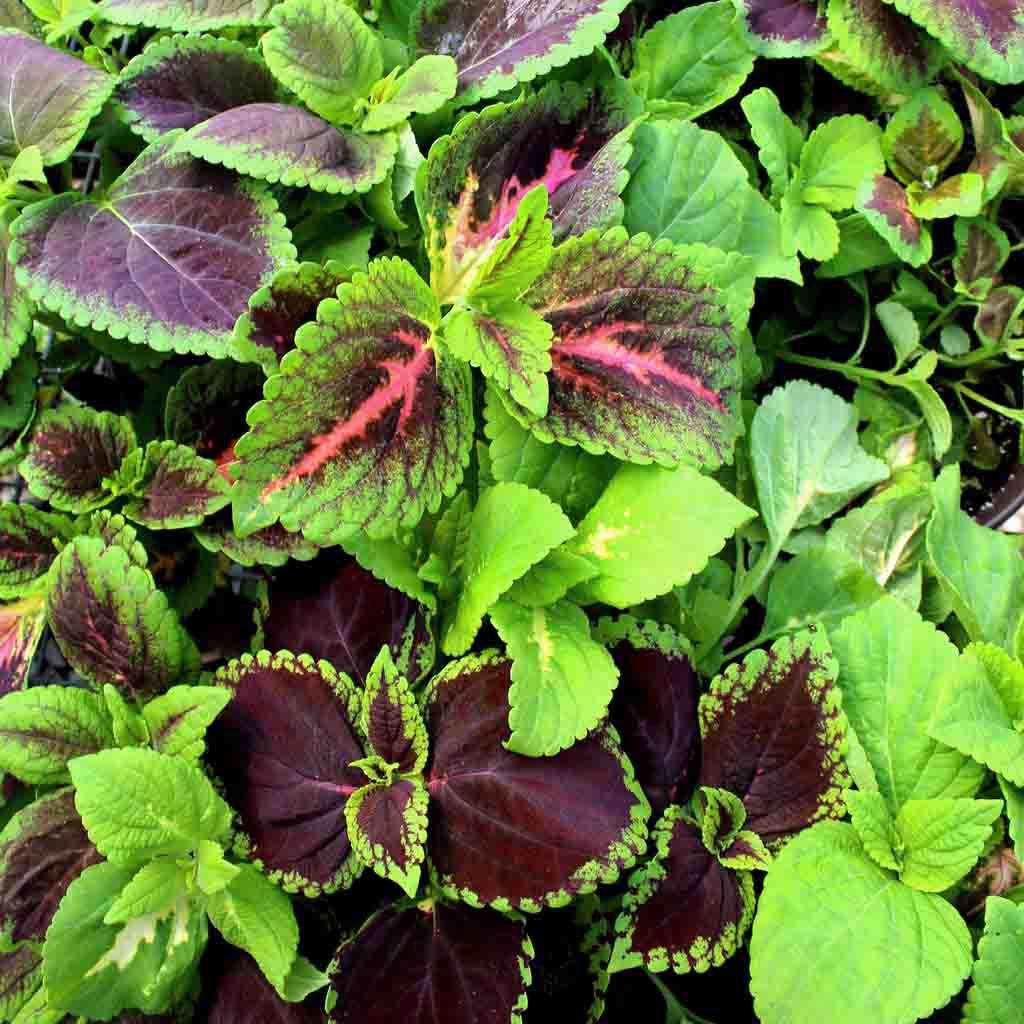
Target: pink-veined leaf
x: 21, y: 628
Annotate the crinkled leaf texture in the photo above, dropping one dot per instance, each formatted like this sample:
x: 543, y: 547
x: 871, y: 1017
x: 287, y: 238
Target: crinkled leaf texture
x: 167, y: 259
x: 20, y: 975
x: 838, y: 938
x: 784, y: 28
x: 282, y: 748
x: 497, y: 44
x: 458, y: 966
x: 15, y: 312
x: 521, y: 832
x: 998, y: 985
x: 188, y: 15
x: 367, y: 425
x: 177, y: 720
x: 29, y: 541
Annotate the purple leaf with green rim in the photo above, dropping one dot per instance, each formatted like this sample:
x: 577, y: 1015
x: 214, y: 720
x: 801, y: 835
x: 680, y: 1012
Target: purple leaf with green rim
x: 21, y: 628
x: 645, y: 351
x: 48, y: 97
x: 188, y: 15
x: 282, y: 748
x: 291, y: 146
x: 167, y: 259
x: 982, y: 249
x: 29, y: 541
x: 923, y: 138
x: 515, y: 831
x: 458, y: 966
x: 683, y: 910
x: 1002, y: 308
x: 498, y: 43
x: 391, y: 719
x: 773, y: 734
x: 784, y: 28
x: 271, y: 546
x: 21, y: 974
x: 180, y: 81
x: 15, y: 307
x: 884, y: 203
x: 367, y: 426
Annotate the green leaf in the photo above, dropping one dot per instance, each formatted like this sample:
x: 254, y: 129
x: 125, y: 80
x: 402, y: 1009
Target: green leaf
x: 982, y: 249
x: 390, y: 718
x: 512, y: 529
x: 550, y: 580
x: 891, y: 664
x: 628, y: 533
x: 29, y: 541
x: 44, y: 727
x: 923, y: 137
x: 178, y: 719
x: 963, y: 195
x: 943, y: 839
x: 15, y: 305
x: 562, y: 679
x: 860, y: 947
x: 806, y: 229
x: 213, y: 872
x: 997, y: 991
x: 778, y: 140
x: 422, y: 89
x: 722, y: 815
x: 1013, y: 797
x: 888, y: 209
x: 808, y: 463
x: 127, y: 722
x: 255, y: 915
x: 901, y: 328
x: 875, y: 827
x: 303, y: 980
x: 693, y: 61
x: 137, y: 804
x: 153, y: 889
x: 186, y: 15
x: 837, y: 157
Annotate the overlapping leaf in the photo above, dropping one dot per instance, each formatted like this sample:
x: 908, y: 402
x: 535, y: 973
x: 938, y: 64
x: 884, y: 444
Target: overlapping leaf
x: 21, y: 628
x: 188, y: 15
x: 29, y: 541
x: 784, y: 28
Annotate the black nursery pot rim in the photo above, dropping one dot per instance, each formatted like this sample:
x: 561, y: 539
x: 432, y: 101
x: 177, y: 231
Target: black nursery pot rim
x: 1005, y: 502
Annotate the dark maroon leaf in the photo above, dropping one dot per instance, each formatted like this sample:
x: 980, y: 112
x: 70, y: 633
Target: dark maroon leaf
x: 520, y: 829
x: 21, y: 628
x: 391, y: 718
x: 437, y: 964
x: 772, y: 733
x: 282, y: 749
x: 1003, y: 306
x: 45, y: 849
x: 785, y: 28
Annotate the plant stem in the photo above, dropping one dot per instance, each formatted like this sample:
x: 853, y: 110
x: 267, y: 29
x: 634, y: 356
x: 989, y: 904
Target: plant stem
x: 852, y: 372
x: 1017, y: 415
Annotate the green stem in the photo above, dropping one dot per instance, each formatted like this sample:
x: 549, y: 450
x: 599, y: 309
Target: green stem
x: 1017, y: 415
x: 852, y: 372
x: 943, y: 315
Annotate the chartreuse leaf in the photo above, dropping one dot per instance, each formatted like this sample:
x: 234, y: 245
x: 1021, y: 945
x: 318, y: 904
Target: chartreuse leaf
x: 876, y: 827
x: 391, y: 720
x: 126, y: 721
x: 188, y: 15
x: 144, y: 276
x: 861, y: 947
x: 137, y: 804
x: 809, y: 230
x: 624, y: 534
x: 960, y: 196
x: 998, y: 984
x: 29, y: 541
x: 722, y: 815
x: 551, y: 579
x: 111, y: 622
x: 213, y: 872
x: 943, y: 839
x: 153, y: 889
x: 838, y: 155
x: 777, y: 138
x: 562, y: 679
x: 178, y: 719
x: 44, y: 727
x: 980, y: 569
x: 892, y: 663
x: 368, y: 425
x: 923, y: 138
x: 421, y: 89
x: 512, y: 529
x: 15, y: 310
x: 887, y: 208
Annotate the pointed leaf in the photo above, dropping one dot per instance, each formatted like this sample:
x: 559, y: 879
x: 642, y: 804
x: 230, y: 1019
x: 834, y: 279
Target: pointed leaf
x: 272, y: 546
x: 213, y: 872
x: 391, y: 720
x: 836, y: 158
x: 784, y: 28
x: 175, y: 277
x: 777, y: 138
x: 885, y: 204
x: 282, y: 749
x: 188, y: 15
x: 550, y: 580
x: 998, y: 987
x: 178, y: 719
x: 21, y: 628
x: 981, y: 250
x: 517, y: 831
x: 721, y: 817
x: 876, y: 827
x: 809, y: 230
x: 421, y: 89
x: 746, y: 852
x: 29, y: 540
x: 153, y: 889
x: 923, y: 137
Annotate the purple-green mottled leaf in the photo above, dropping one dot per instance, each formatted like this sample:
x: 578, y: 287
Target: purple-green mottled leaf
x: 291, y: 146
x: 21, y: 974
x: 14, y: 14
x: 497, y: 43
x: 21, y: 628
x: 517, y: 831
x: 47, y: 98
x: 923, y: 138
x: 960, y: 196
x: 683, y: 910
x: 187, y: 15
x: 367, y: 425
x: 167, y: 259
x: 982, y: 249
x: 458, y: 966
x: 884, y: 203
x: 391, y: 720
x: 178, y: 719
x: 784, y: 28
x: 180, y: 81
x: 999, y: 314
x: 29, y: 540
x: 74, y: 450
x: 271, y: 546
x: 113, y: 625
x: 15, y: 307
x: 282, y: 749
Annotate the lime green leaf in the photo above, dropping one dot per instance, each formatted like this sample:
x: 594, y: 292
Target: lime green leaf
x: 549, y: 581
x: 178, y: 719
x: 998, y: 990
x: 901, y: 328
x: 875, y: 827
x: 422, y: 89
x: 963, y: 195
x: 923, y: 137
x: 153, y: 889
x: 213, y: 872
x: 806, y: 229
x: 778, y: 140
x: 303, y: 980
x: 837, y: 157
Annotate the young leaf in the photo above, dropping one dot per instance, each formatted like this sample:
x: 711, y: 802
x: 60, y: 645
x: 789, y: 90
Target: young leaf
x: 111, y: 622
x: 137, y: 804
x: 875, y: 827
x: 999, y: 315
x: 21, y: 628
x: 960, y: 196
x: 282, y: 748
x: 140, y: 273
x: 188, y: 15
x: 524, y: 42
x: 366, y: 422
x: 806, y: 229
x: 810, y: 940
x: 887, y: 208
x: 923, y: 138
x: 213, y: 872
x: 390, y: 719
x: 994, y: 996
x: 551, y: 579
x: 153, y: 889
x: 624, y: 534
x: 784, y: 28
x: 178, y: 720
x: 180, y: 81
x: 982, y: 249
x: 459, y: 966
x: 562, y: 679
x: 836, y: 158
x: 567, y: 823
x: 29, y: 541
x: 74, y: 451
x: 421, y: 89
x: 777, y: 138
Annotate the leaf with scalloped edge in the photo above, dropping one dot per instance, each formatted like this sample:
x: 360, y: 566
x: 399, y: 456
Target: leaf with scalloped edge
x: 885, y: 204
x: 367, y: 425
x: 271, y: 546
x: 809, y: 230
x: 550, y: 579
x: 112, y: 528
x: 876, y: 827
x: 266, y: 331
x: 777, y: 138
x: 982, y: 249
x: 49, y: 97
x: 15, y: 307
x: 180, y: 81
x: 458, y: 966
x: 21, y: 973
x: 174, y: 272
x: 838, y: 155
x: 998, y: 985
x: 999, y: 315
x: 959, y: 196
x: 21, y: 628
x: 923, y: 137
x: 391, y: 720
x: 178, y: 720
x: 113, y: 625
x: 499, y: 43
x: 29, y: 541
x: 188, y: 15
x: 282, y: 749
x: 520, y: 832
x: 682, y: 910
x: 421, y: 89
x: 784, y: 28
x: 73, y: 451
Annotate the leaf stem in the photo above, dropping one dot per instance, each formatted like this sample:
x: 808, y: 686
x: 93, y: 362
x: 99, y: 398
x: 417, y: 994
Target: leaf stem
x: 1017, y: 415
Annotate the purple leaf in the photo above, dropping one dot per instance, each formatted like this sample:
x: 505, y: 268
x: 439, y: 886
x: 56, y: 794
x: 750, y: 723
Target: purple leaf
x: 683, y: 909
x: 784, y: 28
x: 334, y: 609
x: 885, y: 204
x: 180, y: 81
x: 438, y: 965
x: 44, y: 849
x: 282, y: 749
x: 515, y: 829
x: 20, y: 975
x: 391, y: 719
x: 655, y: 707
x: 497, y: 43
x: 167, y: 259
x: 29, y: 540
x: 21, y: 628
x: 273, y: 545
x: 773, y: 734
